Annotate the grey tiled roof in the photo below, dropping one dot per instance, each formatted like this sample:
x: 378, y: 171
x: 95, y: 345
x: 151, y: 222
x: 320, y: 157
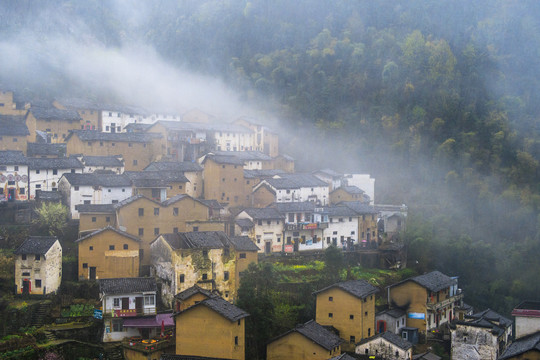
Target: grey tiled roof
x: 492, y: 316
x: 224, y: 308
x: 186, y: 166
x: 340, y: 211
x: 214, y: 204
x: 434, y: 281
x: 343, y: 356
x: 108, y: 161
x: 165, y: 176
x: 426, y: 356
x: 316, y: 333
x: 263, y: 174
x: 13, y: 125
x: 36, y: 245
x: 187, y: 357
x: 522, y: 345
x: 45, y: 149
x: 294, y: 206
x: 281, y: 183
x: 391, y: 338
x: 263, y: 213
x: 224, y: 159
x: 329, y: 172
x: 244, y: 223
x: 186, y: 126
x: 95, y: 208
x: 52, y: 113
x: 54, y: 163
x: 357, y: 288
x: 109, y: 228
x: 48, y: 195
x: 351, y: 189
x: 359, y: 207
x: 126, y: 285
x: 92, y: 179
x: 93, y: 135
x: 197, y: 240
x: 243, y: 243
x: 295, y: 181
x: 245, y: 155
x: 195, y: 289
x: 395, y: 313
x: 11, y: 157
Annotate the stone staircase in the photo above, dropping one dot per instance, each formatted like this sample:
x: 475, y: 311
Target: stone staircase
x: 114, y: 352
x: 50, y: 335
x: 41, y: 314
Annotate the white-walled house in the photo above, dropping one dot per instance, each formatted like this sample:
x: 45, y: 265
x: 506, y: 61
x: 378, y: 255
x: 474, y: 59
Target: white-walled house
x: 253, y: 160
x: 93, y: 188
x: 342, y: 228
x: 297, y: 188
x: 44, y: 174
x: 122, y: 299
x: 111, y: 163
x: 386, y: 345
x: 38, y: 266
x: 267, y: 230
x: 362, y: 181
x: 13, y: 176
x: 230, y: 137
x: 329, y: 176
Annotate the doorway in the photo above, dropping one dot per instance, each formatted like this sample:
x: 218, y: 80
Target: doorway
x: 92, y: 273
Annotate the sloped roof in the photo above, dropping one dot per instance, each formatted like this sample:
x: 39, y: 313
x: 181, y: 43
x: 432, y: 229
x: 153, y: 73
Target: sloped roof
x: 221, y: 306
x: 187, y: 357
x: 36, y: 245
x: 491, y: 315
x: 391, y: 338
x: 93, y: 135
x: 48, y: 195
x: 433, y: 281
x: 262, y: 173
x: 156, y: 176
x: 244, y: 223
x: 189, y: 292
x: 52, y: 113
x: 340, y: 211
x: 12, y: 157
x: 108, y: 161
x: 95, y: 208
x: 522, y: 345
x: 294, y: 206
x: 224, y: 159
x: 359, y: 207
x: 92, y: 179
x: 45, y: 149
x: 109, y: 228
x: 357, y: 288
x: 350, y: 189
x: 127, y: 285
x: 13, y: 125
x: 54, y: 163
x: 343, y: 356
x: 199, y: 239
x: 316, y: 333
x: 395, y: 313
x: 426, y: 356
x: 243, y: 243
x: 263, y: 213
x: 329, y: 172
x: 185, y: 166
x: 245, y: 155
x: 211, y: 203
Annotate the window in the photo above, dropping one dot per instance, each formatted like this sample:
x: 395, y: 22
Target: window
x: 16, y: 168
x: 156, y: 211
x: 141, y: 231
x: 351, y: 317
x: 94, y: 219
x: 330, y: 315
x: 141, y: 212
x: 25, y: 274
x: 175, y: 230
x: 225, y: 275
x: 259, y: 222
x: 118, y: 325
x: 85, y: 265
x: 91, y: 248
x: 156, y: 231
x: 111, y: 247
x: 205, y: 276
x: 182, y: 278
x: 55, y: 172
x: 397, y: 353
x: 135, y: 162
x: 23, y: 257
x: 330, y: 298
x: 37, y: 171
x: 352, y: 339
x: 365, y: 313
x: 38, y: 283
x: 149, y: 300
x: 38, y: 186
x: 15, y: 139
x: 108, y: 219
x: 236, y: 340
x: 175, y: 211
x: 125, y: 246
x: 22, y: 191
x: 242, y: 255
x: 37, y: 257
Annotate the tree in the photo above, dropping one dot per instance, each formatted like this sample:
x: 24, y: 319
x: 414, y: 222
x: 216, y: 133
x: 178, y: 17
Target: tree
x: 333, y: 265
x: 51, y: 218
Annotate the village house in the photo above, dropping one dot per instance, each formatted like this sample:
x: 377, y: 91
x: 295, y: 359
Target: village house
x: 329, y: 176
x: 231, y: 137
x: 197, y: 116
x: 211, y: 328
x: 93, y: 217
x: 264, y: 139
x: 209, y: 259
x: 305, y: 341
x: 191, y: 170
x: 524, y: 348
x: 123, y: 299
x: 527, y: 318
x: 93, y: 188
x: 14, y: 134
x: 116, y: 118
x: 267, y: 230
x: 387, y: 345
x: 348, y: 193
x: 8, y: 105
x: 342, y: 228
x: 138, y: 150
x: 362, y: 181
x: 223, y: 178
x: 484, y: 335
x: 55, y: 123
x: 296, y: 188
x: 87, y: 110
x: 428, y: 299
x: 191, y: 296
x: 158, y: 185
x: 350, y: 308
x: 114, y: 163
x: 45, y: 150
x: 108, y: 253
x: 392, y: 320
x: 45, y: 174
x: 368, y: 233
x: 284, y: 162
x: 253, y: 160
x: 14, y: 182
x: 38, y: 266
x: 393, y: 218
x: 303, y: 227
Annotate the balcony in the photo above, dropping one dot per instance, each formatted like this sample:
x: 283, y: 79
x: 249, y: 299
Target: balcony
x: 434, y: 306
x: 305, y: 226
x: 130, y: 312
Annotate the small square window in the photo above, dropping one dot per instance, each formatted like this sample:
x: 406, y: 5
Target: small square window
x: 111, y: 247
x: 330, y: 315
x: 205, y: 276
x: 108, y: 219
x: 156, y: 211
x: 242, y: 255
x: 125, y: 246
x: 37, y: 257
x: 156, y: 231
x: 38, y: 283
x: 94, y: 219
x: 182, y: 278
x: 91, y: 248
x: 141, y: 211
x: 330, y: 298
x: 351, y: 317
x: 23, y: 257
x: 141, y: 231
x: 85, y: 265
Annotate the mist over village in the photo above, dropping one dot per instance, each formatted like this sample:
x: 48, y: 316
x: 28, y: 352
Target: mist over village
x: 273, y: 180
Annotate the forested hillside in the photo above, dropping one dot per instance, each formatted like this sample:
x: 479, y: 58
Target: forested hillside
x: 437, y: 100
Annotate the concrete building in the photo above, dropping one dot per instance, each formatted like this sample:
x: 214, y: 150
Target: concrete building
x: 386, y: 345
x: 45, y: 174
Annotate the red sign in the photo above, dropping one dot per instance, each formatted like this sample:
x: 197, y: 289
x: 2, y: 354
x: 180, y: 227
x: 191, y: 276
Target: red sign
x: 289, y: 248
x: 310, y: 226
x: 125, y: 313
